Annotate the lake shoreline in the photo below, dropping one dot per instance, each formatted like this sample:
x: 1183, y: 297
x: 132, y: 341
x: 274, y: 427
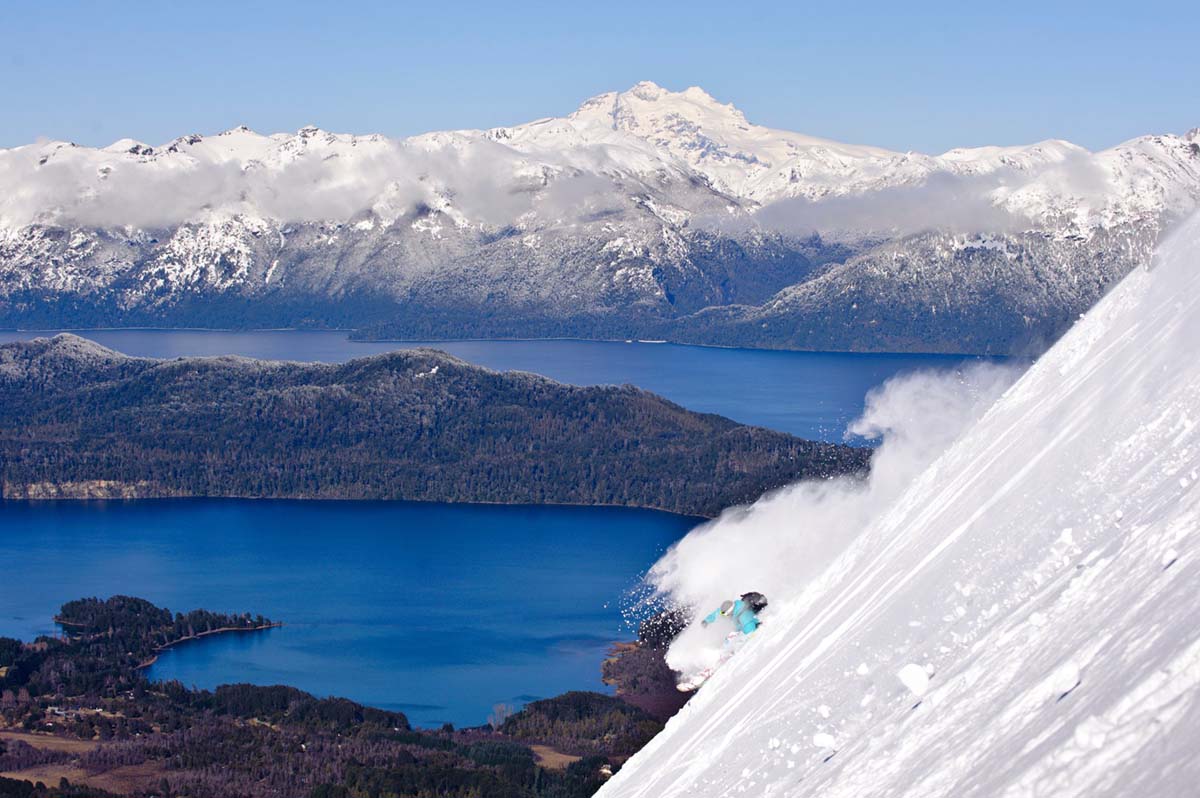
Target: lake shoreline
x: 165, y: 497
x: 189, y: 638
x: 335, y: 500
x: 200, y: 635
x: 389, y: 340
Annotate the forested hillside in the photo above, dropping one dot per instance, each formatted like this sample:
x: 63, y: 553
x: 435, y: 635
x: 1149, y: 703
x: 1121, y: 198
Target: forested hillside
x: 84, y: 421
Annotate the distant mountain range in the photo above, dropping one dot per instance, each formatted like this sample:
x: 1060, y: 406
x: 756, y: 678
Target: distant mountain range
x: 83, y: 421
x: 643, y: 214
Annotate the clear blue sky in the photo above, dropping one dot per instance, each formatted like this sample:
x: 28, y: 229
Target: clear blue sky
x: 928, y: 76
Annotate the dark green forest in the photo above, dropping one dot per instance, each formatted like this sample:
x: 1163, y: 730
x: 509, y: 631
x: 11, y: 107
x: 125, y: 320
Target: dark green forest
x: 83, y: 421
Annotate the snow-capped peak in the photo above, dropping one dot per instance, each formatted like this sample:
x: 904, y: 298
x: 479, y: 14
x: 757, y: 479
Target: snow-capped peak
x: 979, y: 160
x: 715, y: 139
x: 644, y: 140
x: 645, y: 105
x: 130, y: 146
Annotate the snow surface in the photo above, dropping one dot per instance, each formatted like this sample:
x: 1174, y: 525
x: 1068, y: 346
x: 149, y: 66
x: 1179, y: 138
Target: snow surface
x: 1042, y: 574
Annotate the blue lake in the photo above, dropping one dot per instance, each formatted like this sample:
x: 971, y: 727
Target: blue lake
x: 810, y: 394
x: 440, y: 611
x: 437, y: 611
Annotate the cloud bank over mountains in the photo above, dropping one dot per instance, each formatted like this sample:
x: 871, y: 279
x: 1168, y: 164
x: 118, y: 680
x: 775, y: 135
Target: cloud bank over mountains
x: 488, y: 183
x: 643, y: 214
x: 615, y: 149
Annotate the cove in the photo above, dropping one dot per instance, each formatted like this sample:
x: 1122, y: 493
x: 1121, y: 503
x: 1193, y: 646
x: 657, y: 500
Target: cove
x: 439, y: 611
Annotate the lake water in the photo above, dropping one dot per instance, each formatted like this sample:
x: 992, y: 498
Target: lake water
x: 810, y: 394
x: 439, y: 611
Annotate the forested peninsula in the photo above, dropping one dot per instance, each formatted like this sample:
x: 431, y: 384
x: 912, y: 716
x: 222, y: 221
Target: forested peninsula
x: 83, y: 421
x: 80, y: 719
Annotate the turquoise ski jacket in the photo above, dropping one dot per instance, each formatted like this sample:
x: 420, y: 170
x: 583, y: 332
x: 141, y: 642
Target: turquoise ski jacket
x: 742, y: 616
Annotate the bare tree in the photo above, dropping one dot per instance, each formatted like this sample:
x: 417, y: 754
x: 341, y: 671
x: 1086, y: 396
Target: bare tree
x: 500, y: 713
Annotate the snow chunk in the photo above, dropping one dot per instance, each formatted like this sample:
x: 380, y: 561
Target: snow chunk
x: 1065, y: 678
x: 915, y: 678
x: 824, y: 740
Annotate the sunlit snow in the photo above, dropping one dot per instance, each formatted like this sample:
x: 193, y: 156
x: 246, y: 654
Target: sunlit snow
x: 1042, y: 575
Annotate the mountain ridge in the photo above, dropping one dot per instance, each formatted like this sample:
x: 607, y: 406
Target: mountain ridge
x: 625, y: 218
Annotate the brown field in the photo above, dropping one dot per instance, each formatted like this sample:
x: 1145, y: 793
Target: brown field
x: 548, y: 758
x: 127, y: 779
x: 48, y: 774
x: 50, y: 742
x: 121, y: 781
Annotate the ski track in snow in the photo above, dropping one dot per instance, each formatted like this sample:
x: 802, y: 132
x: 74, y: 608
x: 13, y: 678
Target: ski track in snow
x: 1043, y: 571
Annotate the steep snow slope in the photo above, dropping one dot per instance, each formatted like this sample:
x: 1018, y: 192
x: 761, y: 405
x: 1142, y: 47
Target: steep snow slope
x: 1022, y: 621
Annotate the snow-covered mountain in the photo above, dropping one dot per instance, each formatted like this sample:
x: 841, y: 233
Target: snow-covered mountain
x: 644, y: 212
x: 1020, y: 621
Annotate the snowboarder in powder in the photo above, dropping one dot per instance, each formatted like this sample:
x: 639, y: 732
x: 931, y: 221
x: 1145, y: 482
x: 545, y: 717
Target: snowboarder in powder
x: 743, y: 613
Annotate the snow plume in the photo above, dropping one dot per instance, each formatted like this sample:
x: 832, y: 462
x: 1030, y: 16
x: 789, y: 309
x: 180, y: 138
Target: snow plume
x: 782, y: 543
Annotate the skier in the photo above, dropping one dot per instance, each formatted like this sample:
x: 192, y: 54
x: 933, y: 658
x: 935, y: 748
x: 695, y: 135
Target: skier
x: 743, y: 613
